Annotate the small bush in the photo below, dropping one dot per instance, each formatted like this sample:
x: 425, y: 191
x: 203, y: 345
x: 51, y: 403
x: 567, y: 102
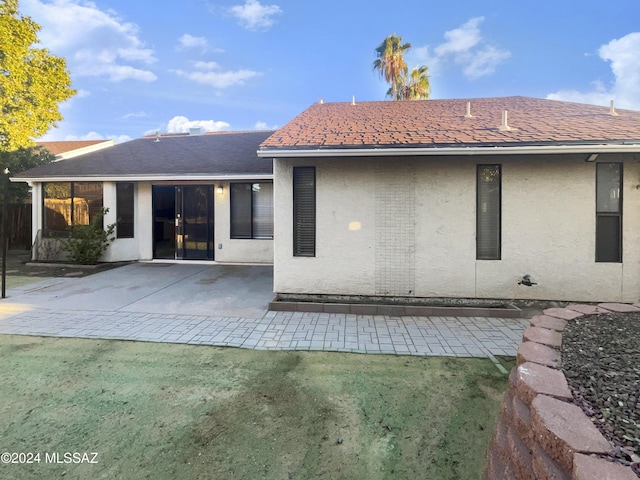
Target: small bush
x: 86, y: 243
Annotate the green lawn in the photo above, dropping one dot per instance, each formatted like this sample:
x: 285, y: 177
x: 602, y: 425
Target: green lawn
x: 163, y: 411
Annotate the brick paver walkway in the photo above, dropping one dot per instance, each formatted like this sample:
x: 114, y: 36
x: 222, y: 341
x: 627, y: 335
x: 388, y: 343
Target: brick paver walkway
x: 442, y: 336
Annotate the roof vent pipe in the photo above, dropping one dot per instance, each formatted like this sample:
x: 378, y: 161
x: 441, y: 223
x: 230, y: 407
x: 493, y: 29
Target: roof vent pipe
x: 320, y: 101
x: 353, y: 100
x: 157, y: 136
x: 468, y: 114
x: 505, y: 126
x: 612, y: 109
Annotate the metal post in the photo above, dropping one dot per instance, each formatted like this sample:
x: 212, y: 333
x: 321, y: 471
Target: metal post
x: 4, y: 236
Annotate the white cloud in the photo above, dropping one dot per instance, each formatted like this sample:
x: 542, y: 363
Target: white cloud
x: 219, y: 79
x: 68, y: 104
x: 94, y: 42
x: 463, y: 46
x: 135, y: 115
x: 205, y: 65
x: 189, y: 41
x: 180, y: 124
x: 54, y: 137
x: 255, y: 16
x: 483, y: 62
x: 623, y: 54
x: 207, y: 74
x: 260, y: 125
x: 462, y: 39
x: 119, y: 138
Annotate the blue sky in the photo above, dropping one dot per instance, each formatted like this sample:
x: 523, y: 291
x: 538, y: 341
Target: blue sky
x: 142, y: 66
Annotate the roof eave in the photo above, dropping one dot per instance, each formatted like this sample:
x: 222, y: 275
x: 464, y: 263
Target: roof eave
x: 430, y: 151
x: 143, y: 178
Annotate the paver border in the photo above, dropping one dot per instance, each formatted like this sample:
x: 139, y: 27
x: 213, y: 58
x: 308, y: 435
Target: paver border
x: 541, y: 432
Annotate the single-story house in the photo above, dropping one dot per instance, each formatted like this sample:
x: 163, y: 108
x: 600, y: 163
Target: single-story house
x: 485, y: 198
x: 189, y: 197
x: 510, y: 198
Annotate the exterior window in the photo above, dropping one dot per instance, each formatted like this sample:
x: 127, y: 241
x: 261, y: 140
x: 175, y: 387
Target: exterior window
x: 70, y: 203
x: 252, y: 210
x: 304, y: 211
x: 124, y: 210
x: 488, y: 212
x: 609, y: 212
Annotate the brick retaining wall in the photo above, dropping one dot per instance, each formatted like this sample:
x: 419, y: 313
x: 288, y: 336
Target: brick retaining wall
x: 541, y: 434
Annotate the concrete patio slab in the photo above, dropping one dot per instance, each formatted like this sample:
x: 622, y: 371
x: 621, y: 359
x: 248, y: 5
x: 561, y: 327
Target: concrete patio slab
x: 172, y: 288
x: 224, y: 305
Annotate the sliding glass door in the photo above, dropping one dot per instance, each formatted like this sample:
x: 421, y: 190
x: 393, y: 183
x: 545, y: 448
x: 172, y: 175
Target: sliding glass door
x: 183, y: 222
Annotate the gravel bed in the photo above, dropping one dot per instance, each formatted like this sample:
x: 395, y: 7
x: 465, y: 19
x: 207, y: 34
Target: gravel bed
x: 601, y: 360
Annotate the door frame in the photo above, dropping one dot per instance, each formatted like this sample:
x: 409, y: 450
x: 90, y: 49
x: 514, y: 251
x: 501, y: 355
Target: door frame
x: 181, y: 210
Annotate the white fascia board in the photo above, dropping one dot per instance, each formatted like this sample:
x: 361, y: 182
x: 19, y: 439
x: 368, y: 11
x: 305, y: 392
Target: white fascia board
x: 146, y: 178
x: 431, y: 151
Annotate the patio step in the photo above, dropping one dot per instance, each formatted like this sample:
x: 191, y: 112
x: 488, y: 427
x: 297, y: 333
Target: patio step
x: 508, y: 311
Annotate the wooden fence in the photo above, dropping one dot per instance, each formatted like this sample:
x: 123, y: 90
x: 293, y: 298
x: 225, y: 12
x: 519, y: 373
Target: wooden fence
x: 18, y: 226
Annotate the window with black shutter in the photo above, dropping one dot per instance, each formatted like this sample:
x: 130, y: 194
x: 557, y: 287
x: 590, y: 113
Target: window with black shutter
x: 304, y: 211
x: 488, y: 212
x: 609, y: 212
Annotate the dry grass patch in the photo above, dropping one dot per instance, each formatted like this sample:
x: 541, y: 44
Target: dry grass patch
x: 162, y: 411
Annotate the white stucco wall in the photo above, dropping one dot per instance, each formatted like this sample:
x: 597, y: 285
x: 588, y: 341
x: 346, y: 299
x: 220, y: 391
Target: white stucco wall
x: 144, y: 221
x: 36, y: 211
x: 228, y: 250
x: 406, y: 227
x: 141, y: 246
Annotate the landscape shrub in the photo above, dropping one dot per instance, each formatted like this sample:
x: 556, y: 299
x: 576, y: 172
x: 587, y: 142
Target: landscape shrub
x: 86, y: 243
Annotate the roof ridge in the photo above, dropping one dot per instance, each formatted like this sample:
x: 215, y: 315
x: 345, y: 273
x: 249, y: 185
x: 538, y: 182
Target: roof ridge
x: 221, y: 132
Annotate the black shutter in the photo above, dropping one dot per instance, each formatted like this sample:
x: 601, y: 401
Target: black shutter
x: 304, y: 211
x: 125, y: 209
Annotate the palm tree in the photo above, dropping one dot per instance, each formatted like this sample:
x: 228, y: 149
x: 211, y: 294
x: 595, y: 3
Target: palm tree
x: 390, y: 63
x: 418, y: 87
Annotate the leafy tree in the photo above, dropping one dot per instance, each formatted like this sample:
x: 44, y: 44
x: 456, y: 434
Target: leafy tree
x: 19, y: 161
x: 418, y: 87
x: 391, y: 66
x: 32, y: 81
x: 390, y: 63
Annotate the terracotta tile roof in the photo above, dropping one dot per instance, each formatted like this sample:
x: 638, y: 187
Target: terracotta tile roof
x: 442, y: 123
x: 65, y: 146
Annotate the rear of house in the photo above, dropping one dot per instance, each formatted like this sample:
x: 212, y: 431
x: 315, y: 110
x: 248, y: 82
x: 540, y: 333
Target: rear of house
x: 185, y: 197
x: 455, y: 198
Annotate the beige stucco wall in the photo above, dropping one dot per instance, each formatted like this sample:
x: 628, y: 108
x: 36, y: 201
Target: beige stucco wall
x: 406, y: 227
